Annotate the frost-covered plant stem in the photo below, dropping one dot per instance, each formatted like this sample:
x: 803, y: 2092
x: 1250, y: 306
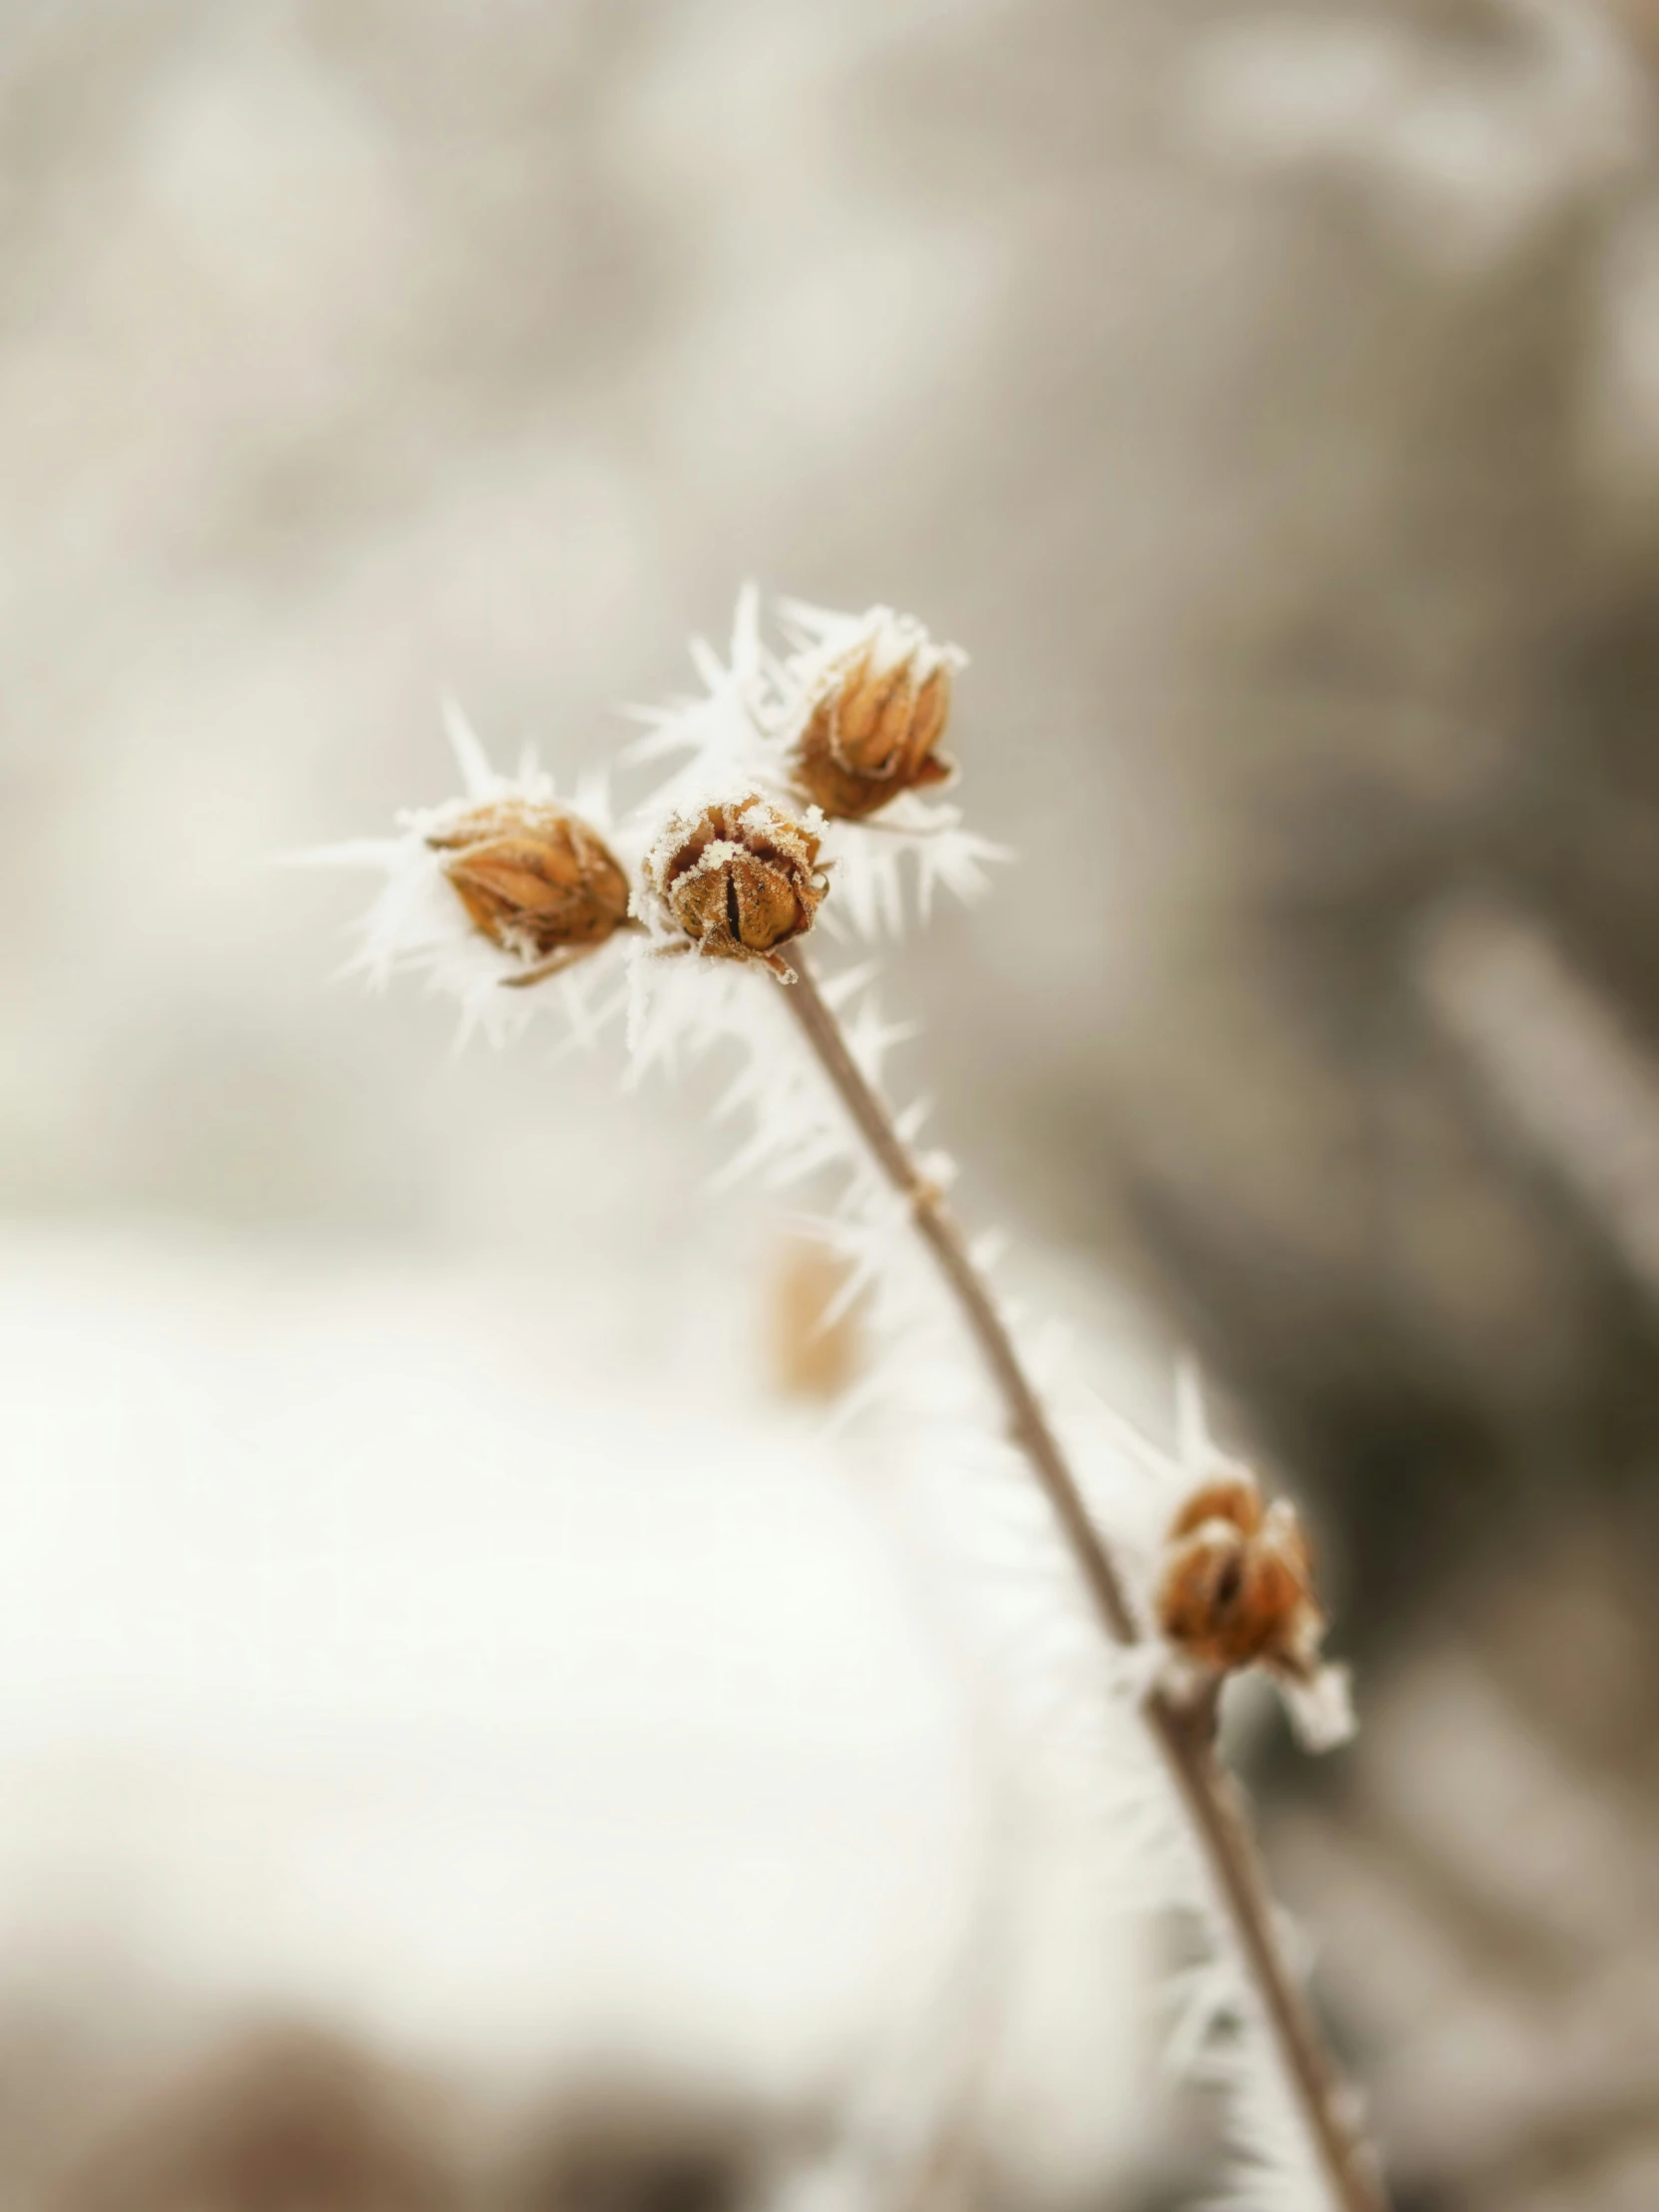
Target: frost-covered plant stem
x: 1183, y: 1730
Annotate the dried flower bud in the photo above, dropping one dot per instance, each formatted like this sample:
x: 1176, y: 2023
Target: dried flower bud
x: 739, y: 879
x: 1236, y: 1588
x: 875, y: 718
x: 534, y: 878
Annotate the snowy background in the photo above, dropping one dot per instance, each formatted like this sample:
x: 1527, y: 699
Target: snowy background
x: 423, y: 1614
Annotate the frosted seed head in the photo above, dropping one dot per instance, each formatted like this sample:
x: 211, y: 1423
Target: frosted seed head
x: 874, y: 716
x: 736, y: 879
x: 1236, y: 1588
x: 534, y: 878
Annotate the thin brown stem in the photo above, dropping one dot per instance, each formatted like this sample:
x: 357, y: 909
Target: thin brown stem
x: 1185, y: 1735
x: 563, y: 960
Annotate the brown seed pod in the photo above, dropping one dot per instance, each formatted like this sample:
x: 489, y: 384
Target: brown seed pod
x: 737, y: 880
x: 1236, y: 1588
x: 535, y: 879
x: 876, y: 719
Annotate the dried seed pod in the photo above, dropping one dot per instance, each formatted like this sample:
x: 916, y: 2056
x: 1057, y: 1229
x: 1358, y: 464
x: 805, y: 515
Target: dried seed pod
x: 535, y: 879
x: 876, y: 717
x: 1236, y: 1588
x: 737, y: 880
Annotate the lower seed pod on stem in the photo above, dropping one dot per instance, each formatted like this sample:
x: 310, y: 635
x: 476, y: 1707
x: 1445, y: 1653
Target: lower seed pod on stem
x: 1237, y: 1588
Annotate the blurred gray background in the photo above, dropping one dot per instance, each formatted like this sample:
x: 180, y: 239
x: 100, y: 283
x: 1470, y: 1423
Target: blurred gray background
x: 1267, y: 397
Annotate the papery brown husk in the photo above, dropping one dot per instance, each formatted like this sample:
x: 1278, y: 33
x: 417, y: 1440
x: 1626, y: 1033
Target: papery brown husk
x: 740, y: 879
x: 534, y: 878
x: 1236, y: 1588
x: 873, y: 734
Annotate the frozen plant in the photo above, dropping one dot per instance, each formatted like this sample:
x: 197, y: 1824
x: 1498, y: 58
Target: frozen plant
x: 798, y: 765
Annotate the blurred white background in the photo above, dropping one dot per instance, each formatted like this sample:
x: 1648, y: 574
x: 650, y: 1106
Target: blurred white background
x: 421, y: 1611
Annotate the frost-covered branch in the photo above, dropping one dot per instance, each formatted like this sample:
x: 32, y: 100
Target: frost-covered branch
x: 1183, y: 1726
x: 806, y: 795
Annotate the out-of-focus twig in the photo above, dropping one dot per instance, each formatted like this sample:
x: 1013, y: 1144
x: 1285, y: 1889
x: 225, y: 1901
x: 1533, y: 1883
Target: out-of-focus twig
x: 1559, y: 1061
x: 1518, y: 2023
